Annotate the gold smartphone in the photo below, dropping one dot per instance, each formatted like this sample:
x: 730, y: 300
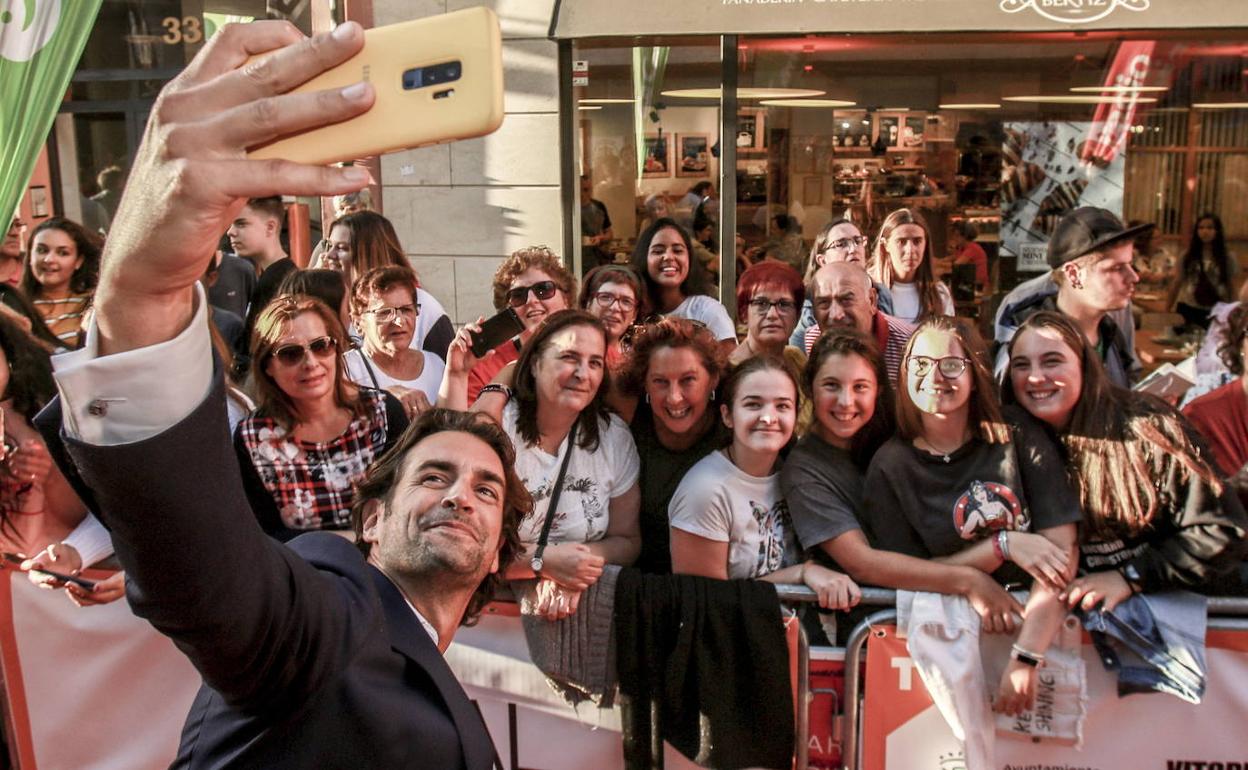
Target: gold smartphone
x: 437, y: 79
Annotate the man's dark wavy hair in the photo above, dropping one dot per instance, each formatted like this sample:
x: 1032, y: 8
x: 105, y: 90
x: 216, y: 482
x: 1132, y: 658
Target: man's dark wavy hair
x: 380, y: 482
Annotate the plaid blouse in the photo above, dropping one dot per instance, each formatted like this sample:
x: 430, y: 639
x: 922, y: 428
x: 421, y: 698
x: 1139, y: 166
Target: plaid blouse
x: 313, y: 483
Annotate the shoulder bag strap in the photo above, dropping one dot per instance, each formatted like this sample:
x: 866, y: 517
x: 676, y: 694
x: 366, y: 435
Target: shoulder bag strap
x: 536, y: 564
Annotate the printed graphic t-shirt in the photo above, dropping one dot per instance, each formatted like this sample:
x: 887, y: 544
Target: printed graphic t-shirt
x: 718, y: 501
x: 919, y: 504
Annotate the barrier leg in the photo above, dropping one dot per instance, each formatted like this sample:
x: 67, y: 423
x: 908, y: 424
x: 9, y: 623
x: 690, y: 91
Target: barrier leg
x: 853, y: 684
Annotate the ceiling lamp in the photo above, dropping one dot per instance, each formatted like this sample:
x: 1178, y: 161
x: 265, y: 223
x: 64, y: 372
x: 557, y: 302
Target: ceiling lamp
x: 970, y: 106
x: 809, y: 103
x: 606, y: 101
x: 744, y: 93
x: 1118, y: 89
x: 1074, y: 99
x: 590, y: 107
x: 1220, y: 105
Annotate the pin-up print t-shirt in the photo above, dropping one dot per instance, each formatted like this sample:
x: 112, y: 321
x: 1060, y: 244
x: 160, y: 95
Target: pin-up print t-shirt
x: 718, y: 501
x: 928, y: 506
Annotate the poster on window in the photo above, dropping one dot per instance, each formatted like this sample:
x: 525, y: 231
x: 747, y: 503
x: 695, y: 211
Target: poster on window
x: 1043, y: 176
x: 902, y: 729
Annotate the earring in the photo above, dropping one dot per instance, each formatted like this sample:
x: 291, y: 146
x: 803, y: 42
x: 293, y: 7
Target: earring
x: 712, y: 394
x: 647, y: 398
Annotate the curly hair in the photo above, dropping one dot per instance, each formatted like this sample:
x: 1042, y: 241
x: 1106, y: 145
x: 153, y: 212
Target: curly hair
x: 1231, y: 348
x: 593, y: 416
x: 270, y: 325
x: 88, y: 244
x: 378, y: 281
x: 539, y: 257
x: 382, y: 480
x: 669, y: 333
x: 842, y: 341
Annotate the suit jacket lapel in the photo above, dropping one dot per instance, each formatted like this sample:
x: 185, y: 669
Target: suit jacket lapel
x: 408, y: 637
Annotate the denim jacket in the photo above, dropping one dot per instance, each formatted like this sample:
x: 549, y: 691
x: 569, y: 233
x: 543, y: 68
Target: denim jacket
x: 1155, y: 642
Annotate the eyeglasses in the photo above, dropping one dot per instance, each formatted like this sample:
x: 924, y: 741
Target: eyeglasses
x: 762, y: 305
x: 845, y: 244
x: 950, y: 367
x: 520, y: 295
x: 292, y: 355
x: 606, y: 299
x: 386, y: 314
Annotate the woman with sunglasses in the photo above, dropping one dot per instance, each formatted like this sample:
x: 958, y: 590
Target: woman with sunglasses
x: 961, y: 484
x: 1156, y: 516
x: 534, y: 283
x: 728, y: 517
x: 617, y: 297
x: 847, y: 382
x: 902, y: 261
x: 314, y: 432
x: 839, y: 241
x: 384, y: 308
x: 677, y: 283
x: 567, y: 440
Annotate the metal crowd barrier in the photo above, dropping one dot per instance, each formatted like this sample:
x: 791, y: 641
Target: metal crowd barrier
x: 1225, y: 614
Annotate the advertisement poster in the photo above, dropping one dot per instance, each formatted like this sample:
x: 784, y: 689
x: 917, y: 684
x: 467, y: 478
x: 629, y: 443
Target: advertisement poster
x: 902, y: 730
x: 1043, y: 176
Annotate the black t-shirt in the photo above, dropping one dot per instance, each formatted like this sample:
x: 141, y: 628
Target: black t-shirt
x: 823, y: 488
x: 926, y: 506
x: 661, y: 472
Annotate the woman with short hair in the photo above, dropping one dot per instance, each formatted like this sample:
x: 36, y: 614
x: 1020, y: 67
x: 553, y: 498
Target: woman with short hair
x: 617, y: 296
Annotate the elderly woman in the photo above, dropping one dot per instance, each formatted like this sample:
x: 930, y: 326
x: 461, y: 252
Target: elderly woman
x: 769, y: 296
x: 384, y: 308
x: 62, y: 267
x: 617, y: 297
x: 534, y: 283
x: 574, y: 455
x: 364, y: 240
x: 314, y: 432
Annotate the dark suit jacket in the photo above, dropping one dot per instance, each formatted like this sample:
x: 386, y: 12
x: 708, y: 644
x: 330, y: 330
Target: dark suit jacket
x: 310, y: 656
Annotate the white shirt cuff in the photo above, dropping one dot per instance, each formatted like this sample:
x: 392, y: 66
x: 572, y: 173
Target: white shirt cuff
x: 132, y: 396
x: 91, y: 540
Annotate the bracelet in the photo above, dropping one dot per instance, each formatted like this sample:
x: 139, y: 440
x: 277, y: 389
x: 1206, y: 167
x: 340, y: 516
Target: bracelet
x: 496, y: 387
x: 1003, y: 537
x: 1026, y: 657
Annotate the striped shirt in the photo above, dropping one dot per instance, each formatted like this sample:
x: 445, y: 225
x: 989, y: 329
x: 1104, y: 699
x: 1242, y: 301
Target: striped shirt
x: 891, y: 334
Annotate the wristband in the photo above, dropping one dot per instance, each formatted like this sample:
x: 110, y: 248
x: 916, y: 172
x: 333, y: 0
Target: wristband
x: 1004, y: 537
x: 496, y: 387
x: 1026, y: 657
x: 1000, y: 546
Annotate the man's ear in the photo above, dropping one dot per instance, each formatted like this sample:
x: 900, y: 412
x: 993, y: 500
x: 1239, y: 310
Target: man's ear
x: 1074, y: 274
x: 374, y: 511
x: 273, y: 227
x: 874, y: 296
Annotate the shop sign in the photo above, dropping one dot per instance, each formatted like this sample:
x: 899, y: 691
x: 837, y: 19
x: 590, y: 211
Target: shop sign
x: 1032, y: 258
x: 1073, y: 11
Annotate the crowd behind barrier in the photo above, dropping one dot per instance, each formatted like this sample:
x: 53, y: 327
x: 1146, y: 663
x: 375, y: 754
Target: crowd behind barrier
x: 639, y: 427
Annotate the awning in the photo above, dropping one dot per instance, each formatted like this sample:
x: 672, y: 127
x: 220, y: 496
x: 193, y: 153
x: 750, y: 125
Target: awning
x: 611, y: 18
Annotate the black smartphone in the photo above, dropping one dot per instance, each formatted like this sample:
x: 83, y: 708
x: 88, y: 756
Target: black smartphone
x: 13, y: 558
x: 495, y: 331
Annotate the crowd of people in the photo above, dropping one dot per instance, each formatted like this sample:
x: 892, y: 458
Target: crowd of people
x: 854, y: 434
x: 857, y: 433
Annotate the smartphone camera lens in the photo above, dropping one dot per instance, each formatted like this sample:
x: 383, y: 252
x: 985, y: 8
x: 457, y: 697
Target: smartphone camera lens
x: 413, y: 78
x: 420, y: 77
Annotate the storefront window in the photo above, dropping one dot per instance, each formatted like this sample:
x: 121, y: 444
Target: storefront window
x: 1006, y: 132
x: 645, y: 152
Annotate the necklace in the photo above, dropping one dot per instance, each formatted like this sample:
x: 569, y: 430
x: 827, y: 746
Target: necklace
x: 931, y: 448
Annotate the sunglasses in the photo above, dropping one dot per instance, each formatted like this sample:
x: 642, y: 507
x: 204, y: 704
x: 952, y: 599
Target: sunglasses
x: 292, y: 355
x: 950, y: 367
x: 520, y: 295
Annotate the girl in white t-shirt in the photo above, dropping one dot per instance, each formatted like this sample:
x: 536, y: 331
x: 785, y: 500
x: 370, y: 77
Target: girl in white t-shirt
x: 902, y: 262
x: 560, y: 383
x: 728, y: 517
x: 677, y: 284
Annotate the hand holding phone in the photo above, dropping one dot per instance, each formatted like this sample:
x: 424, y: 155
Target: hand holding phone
x: 495, y: 331
x: 436, y: 79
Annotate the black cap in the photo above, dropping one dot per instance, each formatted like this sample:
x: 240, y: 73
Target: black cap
x: 1085, y: 230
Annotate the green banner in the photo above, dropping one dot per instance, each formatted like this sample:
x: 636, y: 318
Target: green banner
x: 40, y: 43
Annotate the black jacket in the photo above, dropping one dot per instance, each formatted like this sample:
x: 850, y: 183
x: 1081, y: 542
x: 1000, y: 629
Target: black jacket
x: 310, y: 656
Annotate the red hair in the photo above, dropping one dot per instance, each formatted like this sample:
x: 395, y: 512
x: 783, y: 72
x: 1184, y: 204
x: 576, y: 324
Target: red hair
x: 766, y: 274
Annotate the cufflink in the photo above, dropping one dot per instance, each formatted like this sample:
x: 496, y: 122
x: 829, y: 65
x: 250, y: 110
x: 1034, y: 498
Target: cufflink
x: 97, y: 408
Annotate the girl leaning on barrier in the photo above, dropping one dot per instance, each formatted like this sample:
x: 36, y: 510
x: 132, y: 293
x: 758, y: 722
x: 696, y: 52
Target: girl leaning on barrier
x: 822, y: 479
x: 962, y: 485
x: 729, y: 519
x: 1155, y: 515
x: 573, y: 454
